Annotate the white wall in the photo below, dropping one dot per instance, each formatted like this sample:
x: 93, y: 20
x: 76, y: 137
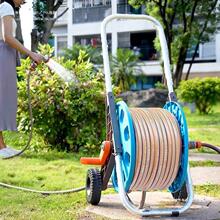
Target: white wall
x: 198, y: 69
x: 26, y: 13
x: 95, y: 27
x: 70, y: 22
x: 217, y: 47
x: 149, y: 68
x: 60, y: 30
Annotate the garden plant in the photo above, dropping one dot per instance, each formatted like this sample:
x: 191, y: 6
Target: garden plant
x: 204, y: 92
x: 68, y: 116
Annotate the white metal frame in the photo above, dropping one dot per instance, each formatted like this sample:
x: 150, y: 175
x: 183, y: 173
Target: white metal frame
x: 165, y: 56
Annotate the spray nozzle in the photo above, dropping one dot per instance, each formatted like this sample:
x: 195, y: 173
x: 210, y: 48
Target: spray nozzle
x: 46, y: 58
x: 34, y: 64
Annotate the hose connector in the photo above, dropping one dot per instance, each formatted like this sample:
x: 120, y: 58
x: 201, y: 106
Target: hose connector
x: 195, y: 144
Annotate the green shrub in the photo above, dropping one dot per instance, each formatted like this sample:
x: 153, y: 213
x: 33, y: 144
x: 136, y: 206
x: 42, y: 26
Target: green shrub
x: 94, y: 54
x: 160, y: 85
x: 68, y: 116
x: 124, y: 69
x: 204, y: 92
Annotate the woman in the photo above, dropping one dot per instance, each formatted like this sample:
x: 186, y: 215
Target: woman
x: 8, y: 78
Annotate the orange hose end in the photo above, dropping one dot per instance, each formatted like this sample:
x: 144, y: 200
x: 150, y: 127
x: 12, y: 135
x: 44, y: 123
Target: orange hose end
x: 90, y: 160
x: 105, y: 152
x: 198, y: 144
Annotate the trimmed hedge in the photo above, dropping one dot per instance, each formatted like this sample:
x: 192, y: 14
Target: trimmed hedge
x: 204, y: 92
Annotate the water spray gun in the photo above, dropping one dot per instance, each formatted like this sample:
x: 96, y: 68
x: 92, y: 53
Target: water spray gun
x: 66, y: 75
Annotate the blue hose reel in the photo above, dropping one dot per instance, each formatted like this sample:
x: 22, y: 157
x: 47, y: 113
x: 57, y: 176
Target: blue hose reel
x: 127, y: 134
x: 128, y: 146
x: 177, y: 111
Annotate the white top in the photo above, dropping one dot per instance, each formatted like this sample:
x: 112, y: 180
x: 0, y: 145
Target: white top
x: 7, y: 10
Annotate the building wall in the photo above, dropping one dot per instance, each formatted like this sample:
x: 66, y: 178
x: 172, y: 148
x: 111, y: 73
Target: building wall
x: 59, y: 30
x: 208, y: 52
x: 217, y: 47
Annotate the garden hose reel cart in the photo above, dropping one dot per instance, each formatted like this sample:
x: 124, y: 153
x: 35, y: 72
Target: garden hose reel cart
x: 145, y: 148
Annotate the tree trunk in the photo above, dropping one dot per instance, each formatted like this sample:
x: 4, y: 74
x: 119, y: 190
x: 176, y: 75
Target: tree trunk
x: 43, y: 31
x: 178, y: 73
x: 179, y: 66
x: 34, y: 40
x: 192, y: 61
x: 47, y: 31
x: 199, y: 39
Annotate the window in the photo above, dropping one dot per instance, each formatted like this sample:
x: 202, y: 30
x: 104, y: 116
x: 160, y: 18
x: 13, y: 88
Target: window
x: 205, y: 51
x: 143, y: 43
x: 90, y: 10
x: 208, y: 50
x: 90, y: 3
x: 93, y: 40
x: 61, y: 45
x: 145, y: 82
x: 124, y: 40
x: 191, y: 51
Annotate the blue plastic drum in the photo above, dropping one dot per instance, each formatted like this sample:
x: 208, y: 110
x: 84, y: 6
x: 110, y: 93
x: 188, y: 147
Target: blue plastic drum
x: 177, y: 111
x: 128, y: 146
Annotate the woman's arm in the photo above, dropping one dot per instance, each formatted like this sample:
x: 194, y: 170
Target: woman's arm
x: 7, y: 29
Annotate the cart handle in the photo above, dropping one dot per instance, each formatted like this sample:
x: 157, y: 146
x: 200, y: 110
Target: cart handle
x: 101, y: 160
x: 163, y: 42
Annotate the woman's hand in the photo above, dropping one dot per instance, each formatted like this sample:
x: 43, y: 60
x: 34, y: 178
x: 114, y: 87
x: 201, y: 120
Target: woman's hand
x: 37, y: 58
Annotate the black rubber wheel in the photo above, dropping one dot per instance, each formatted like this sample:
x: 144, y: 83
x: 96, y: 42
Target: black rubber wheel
x: 181, y: 194
x: 93, y: 186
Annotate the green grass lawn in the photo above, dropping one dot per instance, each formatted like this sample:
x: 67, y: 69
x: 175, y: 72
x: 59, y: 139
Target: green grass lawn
x: 207, y: 163
x: 42, y: 171
x: 205, y: 128
x: 49, y: 170
x: 208, y: 190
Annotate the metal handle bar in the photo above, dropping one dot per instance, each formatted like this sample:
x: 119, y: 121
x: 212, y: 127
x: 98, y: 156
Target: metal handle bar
x: 162, y: 38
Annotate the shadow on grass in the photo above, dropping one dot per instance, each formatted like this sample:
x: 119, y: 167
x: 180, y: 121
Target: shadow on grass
x: 54, y: 155
x: 39, y: 150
